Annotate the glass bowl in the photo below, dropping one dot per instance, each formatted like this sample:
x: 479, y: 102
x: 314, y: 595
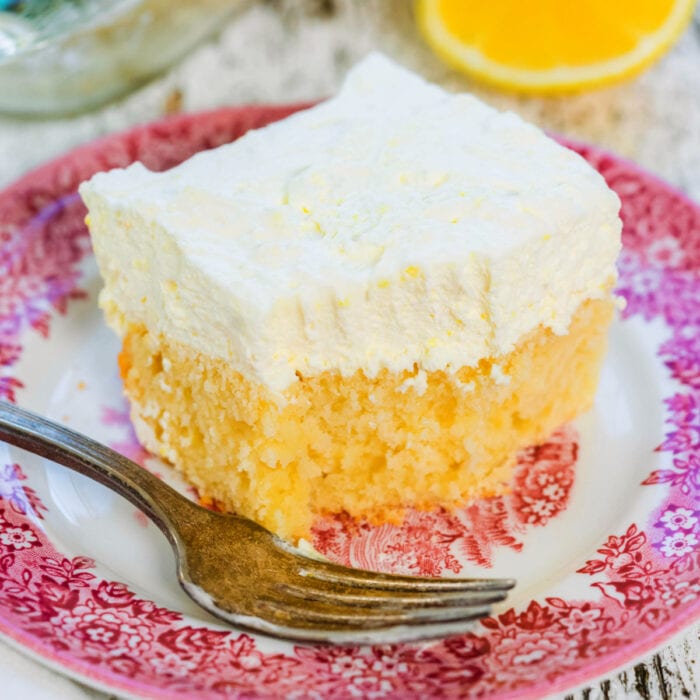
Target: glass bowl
x: 61, y: 57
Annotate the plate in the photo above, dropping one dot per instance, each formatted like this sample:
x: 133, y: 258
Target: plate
x: 601, y: 526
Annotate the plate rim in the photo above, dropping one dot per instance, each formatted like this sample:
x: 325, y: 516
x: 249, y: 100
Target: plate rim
x: 109, y: 680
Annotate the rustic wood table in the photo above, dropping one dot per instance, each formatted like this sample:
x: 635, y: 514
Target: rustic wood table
x: 287, y: 50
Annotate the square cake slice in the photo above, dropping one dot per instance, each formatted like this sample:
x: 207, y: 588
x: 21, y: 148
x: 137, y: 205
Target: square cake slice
x: 368, y: 306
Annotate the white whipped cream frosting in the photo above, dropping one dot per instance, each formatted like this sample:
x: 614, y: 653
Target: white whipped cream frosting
x: 393, y: 226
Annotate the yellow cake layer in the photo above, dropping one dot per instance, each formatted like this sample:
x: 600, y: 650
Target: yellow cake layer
x: 369, y: 447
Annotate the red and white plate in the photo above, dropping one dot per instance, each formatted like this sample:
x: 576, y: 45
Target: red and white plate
x: 601, y: 527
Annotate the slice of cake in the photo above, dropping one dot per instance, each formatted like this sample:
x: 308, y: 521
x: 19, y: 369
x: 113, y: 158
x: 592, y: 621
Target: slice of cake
x: 370, y: 305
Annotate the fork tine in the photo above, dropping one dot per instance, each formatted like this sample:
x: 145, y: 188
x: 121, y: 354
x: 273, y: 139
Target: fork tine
x: 354, y: 636
x: 334, y: 573
x: 372, y: 597
x: 348, y: 618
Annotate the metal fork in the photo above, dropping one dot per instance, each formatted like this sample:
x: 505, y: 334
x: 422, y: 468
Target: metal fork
x: 243, y: 574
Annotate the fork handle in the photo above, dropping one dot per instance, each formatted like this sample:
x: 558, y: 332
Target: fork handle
x: 43, y: 437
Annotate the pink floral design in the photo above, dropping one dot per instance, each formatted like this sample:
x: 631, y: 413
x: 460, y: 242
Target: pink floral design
x: 682, y: 408
x: 678, y: 544
x: 677, y: 518
x: 113, y: 631
x: 21, y: 497
x: 431, y: 543
x: 20, y: 537
x: 641, y: 582
x: 680, y: 535
x: 16, y: 536
x: 684, y: 472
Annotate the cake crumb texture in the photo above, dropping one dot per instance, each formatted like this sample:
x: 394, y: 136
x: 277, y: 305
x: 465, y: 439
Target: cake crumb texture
x: 370, y: 447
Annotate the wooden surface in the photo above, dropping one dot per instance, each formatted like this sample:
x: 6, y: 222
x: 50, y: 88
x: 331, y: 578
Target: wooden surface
x: 286, y: 50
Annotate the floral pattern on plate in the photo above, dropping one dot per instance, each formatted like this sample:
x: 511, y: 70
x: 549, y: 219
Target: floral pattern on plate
x: 639, y: 586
